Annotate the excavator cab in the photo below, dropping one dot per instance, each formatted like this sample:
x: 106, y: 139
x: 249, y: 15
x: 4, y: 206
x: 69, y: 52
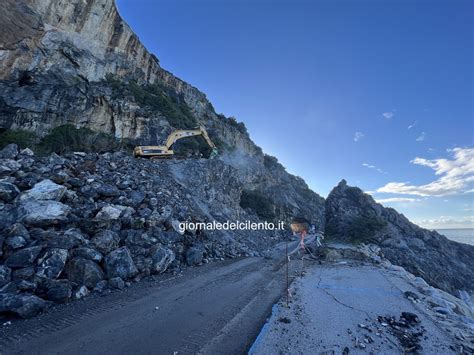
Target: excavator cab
x: 165, y: 151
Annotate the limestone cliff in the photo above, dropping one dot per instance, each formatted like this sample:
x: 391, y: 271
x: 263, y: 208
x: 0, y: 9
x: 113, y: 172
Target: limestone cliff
x: 77, y: 62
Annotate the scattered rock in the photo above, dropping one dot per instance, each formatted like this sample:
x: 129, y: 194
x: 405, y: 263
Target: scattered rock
x: 10, y: 151
x: 84, y: 272
x: 44, y: 190
x: 52, y: 263
x: 119, y: 263
x: 81, y: 292
x: 23, y: 257
x: 22, y: 305
x: 42, y: 213
x: 8, y: 191
x: 54, y: 290
x: 5, y: 275
x: 161, y: 257
x: 87, y: 253
x: 194, y: 255
x: 106, y: 241
x: 110, y: 212
x: 117, y: 282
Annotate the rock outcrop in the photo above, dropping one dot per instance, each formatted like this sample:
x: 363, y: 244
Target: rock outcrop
x: 353, y: 216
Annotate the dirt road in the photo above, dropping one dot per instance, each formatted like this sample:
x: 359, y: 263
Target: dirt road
x: 216, y: 308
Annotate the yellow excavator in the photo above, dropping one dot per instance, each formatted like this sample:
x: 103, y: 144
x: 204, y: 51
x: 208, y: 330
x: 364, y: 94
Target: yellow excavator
x: 165, y: 151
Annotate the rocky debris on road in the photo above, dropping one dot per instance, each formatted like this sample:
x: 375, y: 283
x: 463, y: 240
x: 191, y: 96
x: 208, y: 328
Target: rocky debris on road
x: 85, y: 222
x: 407, y: 330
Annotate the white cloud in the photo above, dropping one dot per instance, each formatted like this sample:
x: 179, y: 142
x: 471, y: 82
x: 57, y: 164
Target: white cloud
x: 358, y: 136
x: 421, y: 137
x: 373, y: 167
x: 398, y: 199
x: 447, y: 222
x: 413, y: 125
x: 456, y: 176
x: 388, y: 115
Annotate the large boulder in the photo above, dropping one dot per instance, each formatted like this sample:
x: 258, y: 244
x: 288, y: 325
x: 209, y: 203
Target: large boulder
x: 42, y: 213
x: 8, y: 166
x: 45, y: 190
x: 10, y: 151
x: 22, y: 305
x: 84, y: 272
x: 106, y: 241
x: 23, y: 257
x: 52, y: 263
x: 119, y: 263
x: 59, y: 291
x: 161, y: 257
x: 71, y: 238
x: 8, y: 191
x: 194, y: 255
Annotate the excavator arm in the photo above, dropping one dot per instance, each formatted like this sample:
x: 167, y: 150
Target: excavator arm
x: 166, y: 151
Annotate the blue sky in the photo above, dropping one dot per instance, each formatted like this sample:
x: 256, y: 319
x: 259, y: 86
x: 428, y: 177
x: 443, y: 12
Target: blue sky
x: 377, y: 92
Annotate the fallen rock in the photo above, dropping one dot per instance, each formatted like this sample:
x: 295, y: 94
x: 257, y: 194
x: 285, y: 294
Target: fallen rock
x: 8, y: 191
x: 110, y: 212
x: 106, y: 241
x: 84, y: 272
x: 161, y: 257
x: 23, y: 257
x: 117, y: 282
x: 119, y: 263
x: 22, y: 305
x: 15, y: 242
x: 5, y: 275
x: 52, y: 263
x: 42, y: 213
x: 81, y: 292
x: 194, y: 256
x: 10, y: 151
x: 87, y: 253
x: 45, y: 190
x: 71, y: 238
x: 8, y: 166
x: 59, y: 291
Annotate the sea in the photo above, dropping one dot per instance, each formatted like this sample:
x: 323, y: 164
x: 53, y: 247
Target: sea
x: 465, y: 235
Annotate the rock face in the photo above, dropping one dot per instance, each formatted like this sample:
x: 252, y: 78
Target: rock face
x: 81, y: 64
x: 354, y: 216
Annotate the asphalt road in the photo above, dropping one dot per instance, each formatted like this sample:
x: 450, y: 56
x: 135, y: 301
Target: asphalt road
x: 214, y: 309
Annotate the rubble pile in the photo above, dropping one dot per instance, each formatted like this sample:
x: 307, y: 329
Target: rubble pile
x: 80, y: 222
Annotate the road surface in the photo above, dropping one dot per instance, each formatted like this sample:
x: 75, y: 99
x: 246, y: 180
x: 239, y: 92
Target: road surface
x: 217, y: 308
x: 336, y: 307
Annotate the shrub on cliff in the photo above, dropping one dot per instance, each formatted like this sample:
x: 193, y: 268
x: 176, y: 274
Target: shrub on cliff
x: 239, y: 125
x: 363, y: 228
x: 22, y: 138
x: 258, y: 203
x: 67, y: 138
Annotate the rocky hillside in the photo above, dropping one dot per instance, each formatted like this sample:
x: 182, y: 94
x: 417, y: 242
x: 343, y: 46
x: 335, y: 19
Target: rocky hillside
x: 79, y: 64
x: 353, y: 216
x: 79, y: 222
